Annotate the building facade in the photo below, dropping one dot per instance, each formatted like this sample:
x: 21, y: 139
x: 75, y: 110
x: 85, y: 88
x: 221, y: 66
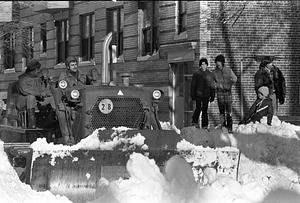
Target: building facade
x: 157, y: 44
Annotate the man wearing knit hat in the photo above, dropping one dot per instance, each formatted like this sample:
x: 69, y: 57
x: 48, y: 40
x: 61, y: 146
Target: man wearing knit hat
x: 271, y: 76
x: 72, y: 75
x: 29, y: 87
x: 260, y: 108
x: 224, y: 79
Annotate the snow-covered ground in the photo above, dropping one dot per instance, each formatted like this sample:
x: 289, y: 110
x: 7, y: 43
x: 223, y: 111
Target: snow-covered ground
x: 147, y: 184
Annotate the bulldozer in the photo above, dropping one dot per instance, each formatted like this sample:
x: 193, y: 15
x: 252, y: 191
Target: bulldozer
x: 79, y: 111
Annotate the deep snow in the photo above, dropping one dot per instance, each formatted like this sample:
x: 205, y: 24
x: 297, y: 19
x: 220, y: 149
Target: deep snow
x: 148, y: 184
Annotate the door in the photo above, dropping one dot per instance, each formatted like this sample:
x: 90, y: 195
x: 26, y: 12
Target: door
x: 183, y: 104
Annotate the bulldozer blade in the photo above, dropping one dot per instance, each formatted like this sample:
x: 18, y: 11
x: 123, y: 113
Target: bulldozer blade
x: 77, y: 175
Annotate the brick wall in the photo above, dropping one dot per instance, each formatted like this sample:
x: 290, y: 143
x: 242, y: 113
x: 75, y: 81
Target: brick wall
x: 264, y: 28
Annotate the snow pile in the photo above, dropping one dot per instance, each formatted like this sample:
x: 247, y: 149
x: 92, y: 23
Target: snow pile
x: 146, y: 184
x: 168, y: 126
x: 224, y: 160
x: 278, y: 128
x: 258, y: 179
x: 92, y: 142
x: 12, y: 190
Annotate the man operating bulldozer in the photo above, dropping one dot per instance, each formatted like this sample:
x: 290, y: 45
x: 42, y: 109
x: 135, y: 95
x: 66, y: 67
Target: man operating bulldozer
x: 30, y: 90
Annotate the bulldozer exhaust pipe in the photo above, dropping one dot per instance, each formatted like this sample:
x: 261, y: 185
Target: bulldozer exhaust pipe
x: 105, y: 74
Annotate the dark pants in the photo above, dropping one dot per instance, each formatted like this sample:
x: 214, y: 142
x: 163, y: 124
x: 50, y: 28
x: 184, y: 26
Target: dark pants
x: 201, y: 105
x: 225, y: 108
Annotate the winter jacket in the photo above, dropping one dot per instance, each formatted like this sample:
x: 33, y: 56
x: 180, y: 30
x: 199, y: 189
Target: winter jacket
x: 276, y: 83
x: 224, y: 79
x: 29, y: 84
x: 259, y: 109
x: 202, y: 85
x: 72, y: 79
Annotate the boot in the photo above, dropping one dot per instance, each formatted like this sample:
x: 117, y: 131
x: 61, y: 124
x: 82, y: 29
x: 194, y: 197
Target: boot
x: 229, y: 124
x: 222, y: 121
x: 31, y: 118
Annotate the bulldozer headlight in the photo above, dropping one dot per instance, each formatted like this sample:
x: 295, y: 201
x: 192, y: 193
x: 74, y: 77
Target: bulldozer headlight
x: 156, y: 94
x: 63, y: 84
x: 75, y: 94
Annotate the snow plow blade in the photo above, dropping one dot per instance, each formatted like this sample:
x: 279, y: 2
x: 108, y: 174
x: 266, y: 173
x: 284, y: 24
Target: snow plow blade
x: 76, y: 173
x: 77, y: 176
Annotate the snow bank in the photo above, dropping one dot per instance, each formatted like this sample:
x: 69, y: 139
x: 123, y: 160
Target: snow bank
x: 147, y: 184
x: 12, y: 190
x: 278, y: 128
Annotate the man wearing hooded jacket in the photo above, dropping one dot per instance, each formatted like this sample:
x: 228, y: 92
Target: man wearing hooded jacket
x: 260, y: 108
x: 30, y: 89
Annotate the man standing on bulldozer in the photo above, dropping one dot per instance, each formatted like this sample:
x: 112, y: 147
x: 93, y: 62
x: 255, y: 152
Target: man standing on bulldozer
x: 30, y: 90
x: 72, y: 75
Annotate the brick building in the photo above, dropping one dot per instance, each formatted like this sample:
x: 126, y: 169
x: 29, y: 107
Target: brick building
x: 246, y: 30
x: 158, y: 43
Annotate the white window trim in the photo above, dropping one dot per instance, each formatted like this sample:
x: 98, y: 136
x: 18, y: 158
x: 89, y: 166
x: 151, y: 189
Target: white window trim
x: 9, y: 70
x: 84, y: 63
x: 140, y: 33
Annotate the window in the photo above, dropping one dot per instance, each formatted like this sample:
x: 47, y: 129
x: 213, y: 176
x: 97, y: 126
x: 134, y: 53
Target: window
x: 148, y: 27
x: 9, y: 50
x: 28, y: 42
x: 62, y: 35
x: 87, y: 34
x: 115, y: 18
x: 181, y: 16
x: 43, y: 38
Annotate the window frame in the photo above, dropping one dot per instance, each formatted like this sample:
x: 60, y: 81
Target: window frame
x: 62, y: 26
x: 181, y: 16
x: 28, y: 42
x: 11, y: 46
x: 43, y: 39
x: 153, y: 30
x: 117, y: 36
x: 90, y: 39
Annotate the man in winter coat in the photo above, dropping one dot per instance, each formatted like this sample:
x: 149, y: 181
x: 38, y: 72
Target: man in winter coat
x: 270, y: 76
x: 72, y: 75
x: 29, y: 87
x: 202, y: 90
x: 224, y: 79
x: 260, y: 108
